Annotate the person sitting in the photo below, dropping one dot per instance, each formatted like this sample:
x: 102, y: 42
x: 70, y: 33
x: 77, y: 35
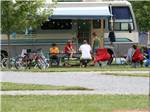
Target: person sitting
x: 130, y: 53
x: 147, y: 57
x: 54, y: 51
x: 137, y: 56
x: 85, y: 50
x: 68, y: 49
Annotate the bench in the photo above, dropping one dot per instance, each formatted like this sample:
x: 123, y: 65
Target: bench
x: 65, y: 60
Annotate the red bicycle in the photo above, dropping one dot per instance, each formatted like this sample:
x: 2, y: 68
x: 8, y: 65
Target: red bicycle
x: 34, y: 59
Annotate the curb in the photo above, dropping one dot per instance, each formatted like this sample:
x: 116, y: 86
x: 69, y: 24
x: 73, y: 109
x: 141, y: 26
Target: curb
x: 68, y: 92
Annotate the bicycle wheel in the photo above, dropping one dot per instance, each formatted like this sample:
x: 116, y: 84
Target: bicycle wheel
x: 20, y: 63
x: 4, y: 63
x: 41, y: 64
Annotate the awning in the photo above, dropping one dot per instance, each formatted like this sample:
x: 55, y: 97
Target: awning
x: 81, y: 13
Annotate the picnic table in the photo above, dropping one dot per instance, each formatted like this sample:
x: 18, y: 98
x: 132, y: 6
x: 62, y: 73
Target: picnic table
x: 65, y: 59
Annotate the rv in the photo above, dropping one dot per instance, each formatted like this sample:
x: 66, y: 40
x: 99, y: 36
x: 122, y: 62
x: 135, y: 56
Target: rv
x: 77, y: 21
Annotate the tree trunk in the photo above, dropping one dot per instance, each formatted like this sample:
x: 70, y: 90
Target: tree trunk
x: 9, y: 52
x: 148, y: 43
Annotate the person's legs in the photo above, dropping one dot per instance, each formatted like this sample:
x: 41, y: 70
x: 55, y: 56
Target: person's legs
x: 51, y: 60
x: 71, y: 55
x: 85, y: 62
x: 57, y: 60
x: 141, y: 63
x: 82, y: 63
x: 147, y: 63
x: 54, y: 59
x: 68, y: 56
x: 134, y: 64
x: 66, y: 62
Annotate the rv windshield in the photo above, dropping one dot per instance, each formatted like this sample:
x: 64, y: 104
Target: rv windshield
x: 121, y: 13
x: 122, y: 18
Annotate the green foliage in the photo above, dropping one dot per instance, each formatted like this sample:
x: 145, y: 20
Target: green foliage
x: 142, y: 14
x: 22, y: 14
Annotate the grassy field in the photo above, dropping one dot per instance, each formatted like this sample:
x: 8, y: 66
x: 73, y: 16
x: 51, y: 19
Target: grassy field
x: 92, y: 69
x: 78, y: 103
x: 129, y: 74
x: 7, y: 86
x: 88, y: 69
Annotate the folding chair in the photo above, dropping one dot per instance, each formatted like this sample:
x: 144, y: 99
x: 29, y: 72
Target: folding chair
x: 102, y: 56
x: 137, y: 57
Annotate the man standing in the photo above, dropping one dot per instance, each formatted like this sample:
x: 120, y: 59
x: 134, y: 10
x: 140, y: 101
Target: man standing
x: 95, y: 42
x: 85, y: 50
x: 112, y: 37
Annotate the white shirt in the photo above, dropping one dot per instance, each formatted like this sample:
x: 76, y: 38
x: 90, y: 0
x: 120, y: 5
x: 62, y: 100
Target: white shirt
x: 86, y: 51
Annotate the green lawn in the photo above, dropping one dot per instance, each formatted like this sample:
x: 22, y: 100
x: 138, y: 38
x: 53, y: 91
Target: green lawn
x: 7, y: 86
x: 69, y: 103
x: 129, y: 74
x: 88, y: 69
x: 92, y: 69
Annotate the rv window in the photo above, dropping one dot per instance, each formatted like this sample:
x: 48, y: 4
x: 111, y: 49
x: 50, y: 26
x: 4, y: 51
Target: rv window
x: 124, y: 26
x: 117, y: 26
x: 121, y: 13
x: 96, y: 23
x: 57, y: 24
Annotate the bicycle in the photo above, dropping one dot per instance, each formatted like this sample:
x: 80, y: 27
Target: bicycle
x: 5, y: 62
x: 34, y: 59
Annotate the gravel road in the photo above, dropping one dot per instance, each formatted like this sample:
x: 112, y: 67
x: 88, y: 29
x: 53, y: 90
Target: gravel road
x: 94, y: 80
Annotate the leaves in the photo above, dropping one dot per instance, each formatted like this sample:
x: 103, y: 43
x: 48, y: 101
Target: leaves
x: 22, y: 14
x: 142, y: 14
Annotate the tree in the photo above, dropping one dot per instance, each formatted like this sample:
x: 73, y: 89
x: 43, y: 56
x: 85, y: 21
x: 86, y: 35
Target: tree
x: 142, y: 14
x: 18, y: 15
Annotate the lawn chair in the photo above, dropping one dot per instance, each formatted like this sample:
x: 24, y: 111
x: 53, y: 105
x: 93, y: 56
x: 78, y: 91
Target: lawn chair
x: 137, y: 57
x: 102, y: 57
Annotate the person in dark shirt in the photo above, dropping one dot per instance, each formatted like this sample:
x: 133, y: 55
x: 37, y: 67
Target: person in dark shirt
x: 147, y: 56
x: 112, y: 37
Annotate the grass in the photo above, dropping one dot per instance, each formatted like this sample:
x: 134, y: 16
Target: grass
x: 92, y: 69
x: 71, y: 103
x: 88, y: 69
x: 129, y: 74
x: 7, y: 86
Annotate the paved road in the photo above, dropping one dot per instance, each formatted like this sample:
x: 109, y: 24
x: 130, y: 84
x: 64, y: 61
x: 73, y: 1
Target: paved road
x: 98, y: 81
